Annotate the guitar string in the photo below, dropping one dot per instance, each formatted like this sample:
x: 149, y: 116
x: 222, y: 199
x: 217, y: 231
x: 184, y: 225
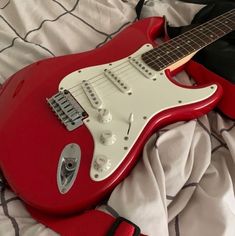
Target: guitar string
x: 97, y: 77
x: 117, y: 69
x: 102, y: 82
x: 162, y: 48
x: 206, y: 25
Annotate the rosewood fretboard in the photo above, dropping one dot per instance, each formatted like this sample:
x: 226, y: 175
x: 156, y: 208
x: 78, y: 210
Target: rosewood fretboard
x: 190, y: 42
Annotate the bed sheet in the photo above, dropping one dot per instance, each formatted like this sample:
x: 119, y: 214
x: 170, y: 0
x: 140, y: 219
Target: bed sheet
x: 183, y: 184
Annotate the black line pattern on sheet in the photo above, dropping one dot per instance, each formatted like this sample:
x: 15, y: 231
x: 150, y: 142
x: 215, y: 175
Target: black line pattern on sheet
x: 168, y: 197
x: 212, y: 134
x: 190, y: 185
x: 177, y: 226
x: 204, y: 127
x: 227, y: 130
x: 11, y: 45
x: 6, y: 212
x: 217, y: 148
x: 110, y: 35
x: 79, y: 18
x: 5, y: 5
x: 12, y: 28
x: 111, y: 210
x: 19, y: 36
x: 48, y: 20
x: 10, y: 200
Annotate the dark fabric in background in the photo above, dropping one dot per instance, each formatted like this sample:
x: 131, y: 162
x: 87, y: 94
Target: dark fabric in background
x: 219, y: 56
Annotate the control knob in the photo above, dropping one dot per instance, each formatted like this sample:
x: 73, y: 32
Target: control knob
x: 107, y: 137
x: 104, y: 116
x: 102, y: 163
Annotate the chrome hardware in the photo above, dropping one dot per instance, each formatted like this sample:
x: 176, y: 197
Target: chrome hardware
x: 68, y: 167
x: 67, y: 109
x: 142, y: 67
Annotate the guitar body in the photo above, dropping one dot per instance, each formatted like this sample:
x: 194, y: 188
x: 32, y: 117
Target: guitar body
x: 34, y: 143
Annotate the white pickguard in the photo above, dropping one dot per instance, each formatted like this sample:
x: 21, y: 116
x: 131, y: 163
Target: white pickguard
x: 148, y: 98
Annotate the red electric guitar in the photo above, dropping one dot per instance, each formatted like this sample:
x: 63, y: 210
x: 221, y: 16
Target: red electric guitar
x: 72, y: 127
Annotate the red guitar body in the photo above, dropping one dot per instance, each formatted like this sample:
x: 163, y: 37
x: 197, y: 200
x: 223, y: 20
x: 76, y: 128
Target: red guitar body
x: 31, y: 138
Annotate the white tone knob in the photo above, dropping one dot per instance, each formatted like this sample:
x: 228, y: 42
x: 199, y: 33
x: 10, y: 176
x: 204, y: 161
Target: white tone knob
x: 107, y: 138
x: 102, y: 163
x: 105, y: 116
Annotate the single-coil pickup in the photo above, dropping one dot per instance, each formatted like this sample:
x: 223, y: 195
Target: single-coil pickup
x: 91, y: 94
x: 143, y: 68
x: 117, y: 81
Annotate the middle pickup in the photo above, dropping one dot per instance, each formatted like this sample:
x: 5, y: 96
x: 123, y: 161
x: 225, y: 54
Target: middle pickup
x: 117, y: 81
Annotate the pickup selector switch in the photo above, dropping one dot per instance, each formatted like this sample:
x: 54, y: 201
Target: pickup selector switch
x: 104, y: 116
x: 107, y: 137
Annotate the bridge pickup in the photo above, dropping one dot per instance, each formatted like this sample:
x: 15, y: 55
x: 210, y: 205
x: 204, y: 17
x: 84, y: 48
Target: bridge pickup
x: 67, y: 109
x: 91, y: 94
x: 143, y: 68
x: 114, y: 78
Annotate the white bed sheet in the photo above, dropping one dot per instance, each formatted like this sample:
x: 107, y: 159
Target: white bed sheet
x: 184, y: 183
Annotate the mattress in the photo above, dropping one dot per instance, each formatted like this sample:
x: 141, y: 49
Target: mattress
x: 184, y: 181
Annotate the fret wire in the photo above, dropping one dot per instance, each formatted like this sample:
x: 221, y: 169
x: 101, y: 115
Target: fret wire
x: 151, y: 58
x: 163, y: 60
x: 157, y: 57
x: 159, y: 48
x: 198, y: 37
x: 230, y: 21
x: 187, y: 34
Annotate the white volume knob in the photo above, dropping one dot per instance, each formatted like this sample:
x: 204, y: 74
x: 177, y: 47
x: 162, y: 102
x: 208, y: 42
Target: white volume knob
x: 105, y: 116
x: 107, y: 138
x: 102, y: 163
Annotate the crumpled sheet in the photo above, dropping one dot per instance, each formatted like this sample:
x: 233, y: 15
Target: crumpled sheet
x: 183, y: 184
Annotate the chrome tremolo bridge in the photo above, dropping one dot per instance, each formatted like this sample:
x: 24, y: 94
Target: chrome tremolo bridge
x: 67, y: 109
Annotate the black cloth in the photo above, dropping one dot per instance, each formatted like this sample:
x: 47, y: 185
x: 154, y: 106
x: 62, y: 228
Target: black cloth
x: 219, y: 56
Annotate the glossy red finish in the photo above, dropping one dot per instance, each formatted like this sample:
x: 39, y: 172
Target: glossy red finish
x: 31, y: 138
x: 202, y: 76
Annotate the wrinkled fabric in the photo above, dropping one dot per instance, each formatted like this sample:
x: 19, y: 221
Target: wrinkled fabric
x: 183, y: 184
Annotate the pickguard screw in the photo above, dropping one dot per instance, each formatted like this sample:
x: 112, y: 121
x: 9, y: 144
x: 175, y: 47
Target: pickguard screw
x: 179, y: 101
x: 125, y: 148
x: 145, y: 117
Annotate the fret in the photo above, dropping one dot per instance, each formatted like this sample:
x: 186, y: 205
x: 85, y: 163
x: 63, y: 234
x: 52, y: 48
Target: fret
x: 190, y: 41
x: 204, y: 36
x: 174, y: 48
x: 159, y: 61
x: 229, y: 21
x: 154, y: 61
x: 153, y: 56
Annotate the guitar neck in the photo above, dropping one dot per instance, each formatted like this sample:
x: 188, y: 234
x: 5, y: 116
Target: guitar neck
x: 190, y: 42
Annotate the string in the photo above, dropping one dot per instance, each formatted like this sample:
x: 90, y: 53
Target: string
x: 99, y: 79
x: 188, y: 35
